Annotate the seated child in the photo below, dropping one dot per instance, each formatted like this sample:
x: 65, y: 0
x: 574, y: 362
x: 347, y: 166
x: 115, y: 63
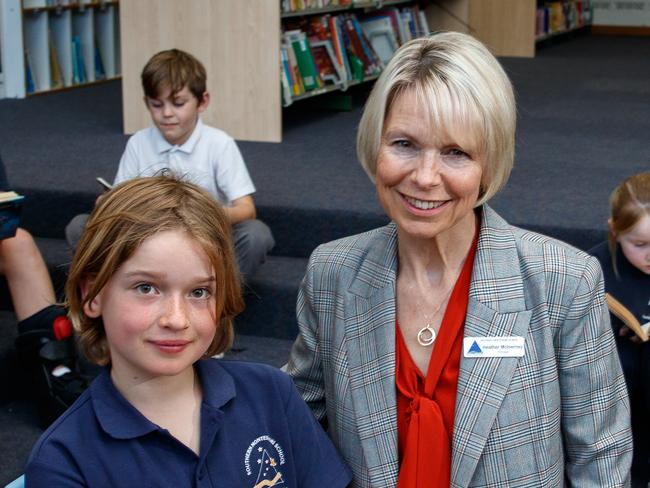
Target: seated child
x: 152, y: 292
x: 40, y: 322
x: 625, y: 259
x: 174, y: 84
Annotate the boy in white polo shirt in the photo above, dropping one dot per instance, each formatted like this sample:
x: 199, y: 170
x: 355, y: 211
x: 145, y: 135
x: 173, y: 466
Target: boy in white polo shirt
x: 174, y: 84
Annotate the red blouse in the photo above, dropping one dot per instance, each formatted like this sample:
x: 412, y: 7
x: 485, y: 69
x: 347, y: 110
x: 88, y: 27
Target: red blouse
x: 425, y: 406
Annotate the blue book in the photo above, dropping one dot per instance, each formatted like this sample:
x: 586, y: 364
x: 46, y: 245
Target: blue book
x: 99, y: 65
x: 11, y: 205
x: 78, y: 59
x: 29, y: 77
x: 75, y: 65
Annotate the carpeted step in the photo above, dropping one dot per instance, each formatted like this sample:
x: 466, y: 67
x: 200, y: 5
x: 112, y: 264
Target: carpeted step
x: 271, y: 299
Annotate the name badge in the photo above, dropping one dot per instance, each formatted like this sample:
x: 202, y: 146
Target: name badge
x: 493, y: 347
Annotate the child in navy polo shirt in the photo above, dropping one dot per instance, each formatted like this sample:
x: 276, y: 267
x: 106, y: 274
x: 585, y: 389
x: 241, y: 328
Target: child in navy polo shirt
x: 152, y: 293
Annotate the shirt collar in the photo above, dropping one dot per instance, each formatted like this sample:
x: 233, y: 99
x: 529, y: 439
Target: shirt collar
x: 162, y: 146
x: 122, y: 420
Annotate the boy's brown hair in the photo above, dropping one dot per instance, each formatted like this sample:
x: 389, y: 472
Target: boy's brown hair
x: 128, y: 215
x: 173, y: 69
x: 629, y: 202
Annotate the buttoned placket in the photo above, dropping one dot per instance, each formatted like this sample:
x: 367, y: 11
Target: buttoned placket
x: 211, y: 422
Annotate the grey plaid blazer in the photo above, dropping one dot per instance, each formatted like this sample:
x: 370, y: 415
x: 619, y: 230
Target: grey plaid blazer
x: 558, y: 415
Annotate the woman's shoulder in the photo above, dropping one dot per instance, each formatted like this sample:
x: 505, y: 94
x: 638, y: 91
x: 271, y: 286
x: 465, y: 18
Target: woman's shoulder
x: 356, y: 246
x: 538, y: 252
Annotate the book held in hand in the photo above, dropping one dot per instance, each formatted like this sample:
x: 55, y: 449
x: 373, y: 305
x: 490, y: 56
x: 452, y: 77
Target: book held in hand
x: 11, y: 205
x: 623, y: 313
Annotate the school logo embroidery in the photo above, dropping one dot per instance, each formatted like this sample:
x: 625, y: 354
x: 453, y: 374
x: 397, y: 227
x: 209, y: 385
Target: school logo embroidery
x: 264, y: 459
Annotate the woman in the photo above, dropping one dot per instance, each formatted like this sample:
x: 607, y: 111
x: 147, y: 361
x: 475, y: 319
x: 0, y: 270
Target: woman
x: 449, y: 348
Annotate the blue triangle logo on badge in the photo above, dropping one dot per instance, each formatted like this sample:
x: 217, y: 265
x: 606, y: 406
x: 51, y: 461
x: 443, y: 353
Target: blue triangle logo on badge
x: 475, y: 348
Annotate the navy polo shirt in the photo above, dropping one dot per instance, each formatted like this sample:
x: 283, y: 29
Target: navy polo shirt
x: 256, y: 431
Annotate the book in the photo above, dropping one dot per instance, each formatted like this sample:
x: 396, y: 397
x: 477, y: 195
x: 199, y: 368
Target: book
x: 55, y: 66
x: 326, y: 63
x: 100, y: 73
x: 354, y: 46
x: 380, y: 33
x: 396, y: 21
x: 286, y: 77
x: 338, y: 44
x: 375, y: 66
x: 622, y: 312
x: 78, y: 60
x: 425, y: 30
x: 404, y: 18
x: 29, y: 74
x: 11, y: 205
x: 306, y: 65
x: 76, y: 79
x: 297, y: 86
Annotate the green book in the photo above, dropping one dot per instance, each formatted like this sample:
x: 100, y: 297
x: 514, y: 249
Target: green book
x: 305, y: 61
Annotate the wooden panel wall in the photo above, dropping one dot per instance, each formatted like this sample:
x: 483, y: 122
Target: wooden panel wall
x: 507, y: 27
x: 238, y: 41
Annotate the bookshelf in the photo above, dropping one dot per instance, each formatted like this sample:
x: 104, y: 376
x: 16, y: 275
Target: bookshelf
x: 58, y: 44
x: 342, y: 45
x: 556, y: 18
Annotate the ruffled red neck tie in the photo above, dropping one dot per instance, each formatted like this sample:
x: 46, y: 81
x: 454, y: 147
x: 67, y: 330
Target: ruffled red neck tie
x: 426, y: 406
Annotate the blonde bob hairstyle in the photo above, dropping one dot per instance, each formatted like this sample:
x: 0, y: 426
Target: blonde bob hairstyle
x: 463, y: 87
x: 127, y: 216
x: 628, y: 203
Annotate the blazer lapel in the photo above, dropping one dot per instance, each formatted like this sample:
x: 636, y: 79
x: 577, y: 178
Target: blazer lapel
x: 496, y: 308
x: 370, y: 339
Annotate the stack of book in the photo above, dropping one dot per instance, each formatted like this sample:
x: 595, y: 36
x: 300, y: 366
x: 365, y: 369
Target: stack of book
x: 326, y: 52
x: 11, y: 205
x: 562, y: 16
x: 288, y: 6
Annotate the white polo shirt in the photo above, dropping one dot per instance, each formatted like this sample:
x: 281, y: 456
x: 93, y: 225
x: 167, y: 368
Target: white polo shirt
x: 210, y: 159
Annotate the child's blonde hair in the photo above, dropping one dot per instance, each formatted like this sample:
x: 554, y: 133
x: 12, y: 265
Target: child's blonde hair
x: 629, y: 202
x: 127, y: 216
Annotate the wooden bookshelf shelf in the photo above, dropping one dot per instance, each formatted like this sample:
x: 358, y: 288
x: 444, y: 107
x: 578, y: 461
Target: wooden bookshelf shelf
x: 545, y: 37
x: 70, y: 6
x: 74, y: 87
x: 330, y: 89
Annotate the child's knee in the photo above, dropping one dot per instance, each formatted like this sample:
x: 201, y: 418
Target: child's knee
x: 21, y: 246
x: 253, y: 237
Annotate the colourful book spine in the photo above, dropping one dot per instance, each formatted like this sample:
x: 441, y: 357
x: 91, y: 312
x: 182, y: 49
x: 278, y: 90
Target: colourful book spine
x: 29, y: 75
x: 339, y: 48
x: 305, y: 62
x: 375, y: 62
